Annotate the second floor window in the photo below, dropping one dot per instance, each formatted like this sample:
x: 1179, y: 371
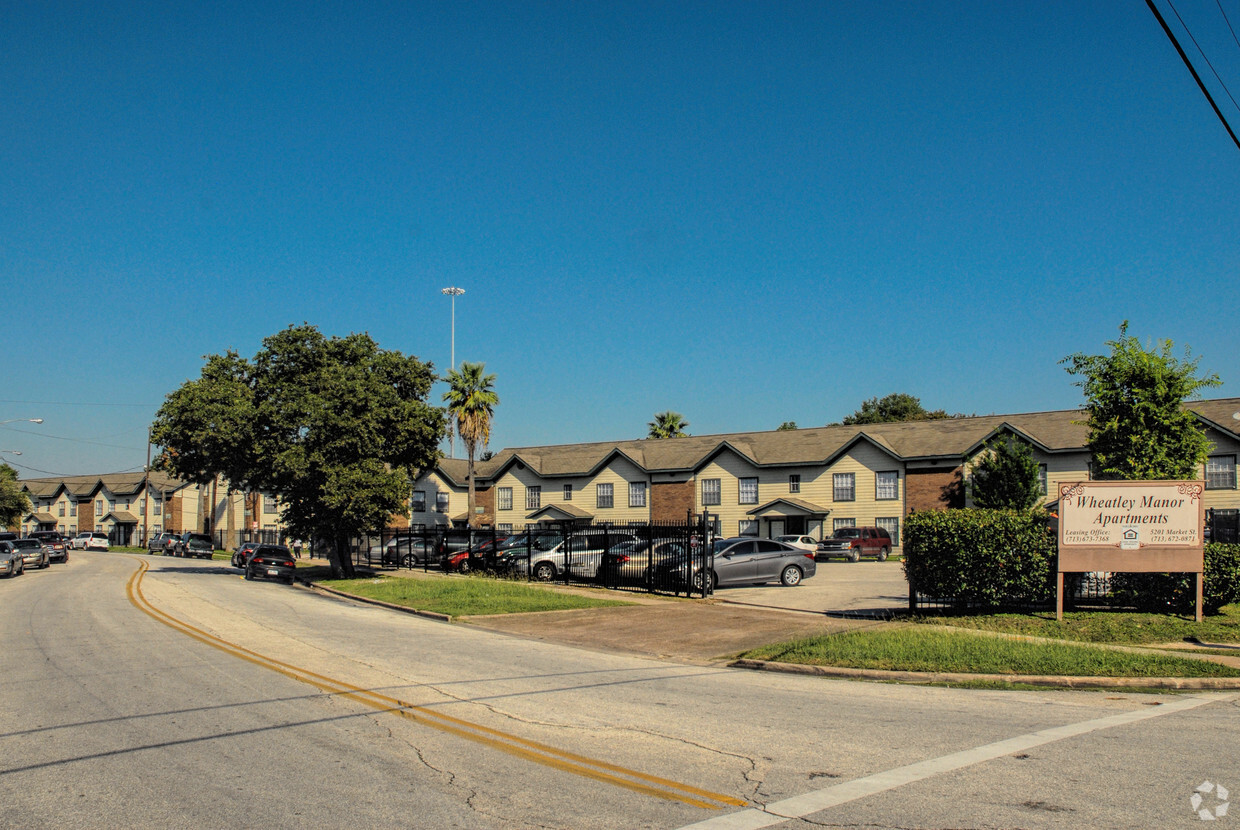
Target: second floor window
x: 62, y: 508
x: 604, y: 496
x: 711, y: 494
x: 503, y: 498
x: 441, y: 501
x: 98, y: 507
x: 794, y: 483
x: 887, y: 485
x: 748, y: 491
x: 533, y: 498
x: 269, y: 503
x: 568, y: 492
x: 418, y: 504
x: 72, y: 508
x: 1221, y: 472
x: 844, y: 486
x: 1042, y: 479
x: 637, y: 494
x: 159, y: 506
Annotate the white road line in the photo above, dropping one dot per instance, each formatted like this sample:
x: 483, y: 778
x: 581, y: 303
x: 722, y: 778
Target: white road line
x: 804, y: 805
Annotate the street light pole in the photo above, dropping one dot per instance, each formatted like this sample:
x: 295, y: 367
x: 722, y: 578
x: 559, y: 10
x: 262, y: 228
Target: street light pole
x: 453, y: 292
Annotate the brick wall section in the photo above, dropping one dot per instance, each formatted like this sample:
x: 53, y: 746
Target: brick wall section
x: 484, y: 497
x: 934, y: 489
x: 172, y: 514
x: 671, y: 501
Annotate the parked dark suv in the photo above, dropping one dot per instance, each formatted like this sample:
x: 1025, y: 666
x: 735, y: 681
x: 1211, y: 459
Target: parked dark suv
x: 855, y: 542
x: 196, y: 544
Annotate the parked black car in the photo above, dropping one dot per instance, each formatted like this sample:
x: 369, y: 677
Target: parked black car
x: 241, y: 554
x: 196, y: 544
x: 271, y: 562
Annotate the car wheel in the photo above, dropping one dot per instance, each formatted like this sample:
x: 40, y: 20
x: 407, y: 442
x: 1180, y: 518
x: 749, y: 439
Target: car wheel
x: 409, y: 561
x: 544, y: 572
x: 697, y: 581
x: 465, y: 566
x: 791, y: 576
x: 854, y: 556
x: 883, y: 554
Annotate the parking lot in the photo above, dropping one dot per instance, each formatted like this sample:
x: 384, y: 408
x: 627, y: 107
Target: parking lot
x: 838, y: 586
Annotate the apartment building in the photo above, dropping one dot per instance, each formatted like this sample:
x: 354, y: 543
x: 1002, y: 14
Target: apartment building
x: 810, y: 481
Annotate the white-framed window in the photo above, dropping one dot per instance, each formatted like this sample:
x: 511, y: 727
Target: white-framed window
x: 794, y: 483
x: 890, y: 524
x: 159, y: 506
x: 887, y: 485
x: 504, y: 527
x: 568, y: 492
x: 838, y: 523
x: 142, y: 508
x: 747, y: 527
x: 62, y: 509
x: 716, y: 526
x: 844, y: 487
x: 98, y: 507
x: 1221, y: 472
x: 748, y: 492
x: 441, y: 501
x: 637, y: 494
x: 418, y: 502
x: 503, y: 498
x: 1042, y: 479
x: 604, y: 495
x: 712, y: 494
x: 269, y: 503
x: 533, y: 498
x: 72, y: 508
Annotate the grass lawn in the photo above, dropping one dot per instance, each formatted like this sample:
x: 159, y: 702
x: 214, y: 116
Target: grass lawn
x: 924, y: 648
x: 1104, y: 626
x: 465, y: 597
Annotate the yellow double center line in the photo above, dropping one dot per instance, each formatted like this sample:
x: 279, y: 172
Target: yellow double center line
x: 512, y: 744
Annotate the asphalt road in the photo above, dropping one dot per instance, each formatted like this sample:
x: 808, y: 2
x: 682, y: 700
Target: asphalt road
x: 186, y: 697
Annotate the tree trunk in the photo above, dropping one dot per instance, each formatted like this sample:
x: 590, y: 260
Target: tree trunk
x: 339, y: 558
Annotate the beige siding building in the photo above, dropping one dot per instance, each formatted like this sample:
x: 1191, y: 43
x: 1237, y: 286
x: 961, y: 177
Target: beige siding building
x: 806, y: 481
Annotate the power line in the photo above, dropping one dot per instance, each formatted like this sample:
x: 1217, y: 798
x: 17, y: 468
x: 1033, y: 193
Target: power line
x: 1203, y: 54
x: 81, y: 403
x: 1196, y: 77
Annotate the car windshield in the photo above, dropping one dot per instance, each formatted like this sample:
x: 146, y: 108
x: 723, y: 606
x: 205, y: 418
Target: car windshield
x: 847, y: 533
x: 26, y: 544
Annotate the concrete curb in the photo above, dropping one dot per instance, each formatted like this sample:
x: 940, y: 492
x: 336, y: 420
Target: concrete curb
x: 402, y: 608
x: 1060, y: 681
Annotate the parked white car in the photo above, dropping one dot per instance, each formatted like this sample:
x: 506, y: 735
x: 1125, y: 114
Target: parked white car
x: 808, y: 543
x: 90, y: 540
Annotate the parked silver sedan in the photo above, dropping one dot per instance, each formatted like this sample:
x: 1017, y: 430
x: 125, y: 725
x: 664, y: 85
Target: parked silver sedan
x: 742, y: 560
x: 11, y: 562
x: 33, y: 554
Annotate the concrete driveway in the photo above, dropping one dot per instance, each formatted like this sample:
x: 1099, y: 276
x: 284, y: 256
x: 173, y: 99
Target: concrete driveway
x: 868, y: 585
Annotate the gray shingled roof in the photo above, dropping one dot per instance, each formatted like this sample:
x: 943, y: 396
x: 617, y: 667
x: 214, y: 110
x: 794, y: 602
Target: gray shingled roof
x: 1055, y: 431
x: 120, y: 484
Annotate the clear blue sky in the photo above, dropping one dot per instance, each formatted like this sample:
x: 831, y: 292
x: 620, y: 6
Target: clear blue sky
x: 745, y: 212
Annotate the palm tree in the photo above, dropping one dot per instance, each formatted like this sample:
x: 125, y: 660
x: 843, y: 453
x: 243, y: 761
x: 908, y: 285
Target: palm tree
x: 471, y: 402
x: 668, y: 424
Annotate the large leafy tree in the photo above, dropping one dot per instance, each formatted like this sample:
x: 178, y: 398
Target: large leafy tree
x: 667, y: 424
x: 13, y: 502
x: 471, y: 401
x: 336, y: 427
x: 1138, y: 426
x: 1005, y: 476
x: 895, y: 407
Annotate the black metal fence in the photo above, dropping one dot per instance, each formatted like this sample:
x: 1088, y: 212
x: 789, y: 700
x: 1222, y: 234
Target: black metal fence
x: 1223, y: 526
x: 671, y: 557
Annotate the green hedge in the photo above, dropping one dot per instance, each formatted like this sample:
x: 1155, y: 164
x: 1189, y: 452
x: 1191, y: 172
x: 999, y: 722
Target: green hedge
x: 1174, y: 592
x: 981, y: 557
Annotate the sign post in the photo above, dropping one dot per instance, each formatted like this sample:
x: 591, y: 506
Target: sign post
x: 1133, y: 527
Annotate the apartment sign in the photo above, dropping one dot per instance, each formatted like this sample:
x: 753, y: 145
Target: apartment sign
x: 1131, y: 515
x: 1132, y: 527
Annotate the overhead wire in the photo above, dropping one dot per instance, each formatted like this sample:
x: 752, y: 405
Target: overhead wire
x: 1200, y: 84
x: 1203, y: 54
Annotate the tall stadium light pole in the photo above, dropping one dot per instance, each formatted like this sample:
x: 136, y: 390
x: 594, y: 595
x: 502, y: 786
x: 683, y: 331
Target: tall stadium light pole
x: 453, y: 292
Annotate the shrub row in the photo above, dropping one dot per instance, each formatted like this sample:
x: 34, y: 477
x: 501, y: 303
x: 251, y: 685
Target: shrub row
x: 981, y: 557
x: 996, y: 558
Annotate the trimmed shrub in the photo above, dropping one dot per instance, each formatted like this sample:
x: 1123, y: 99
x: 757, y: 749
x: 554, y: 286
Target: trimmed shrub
x: 1162, y: 592
x: 986, y: 558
